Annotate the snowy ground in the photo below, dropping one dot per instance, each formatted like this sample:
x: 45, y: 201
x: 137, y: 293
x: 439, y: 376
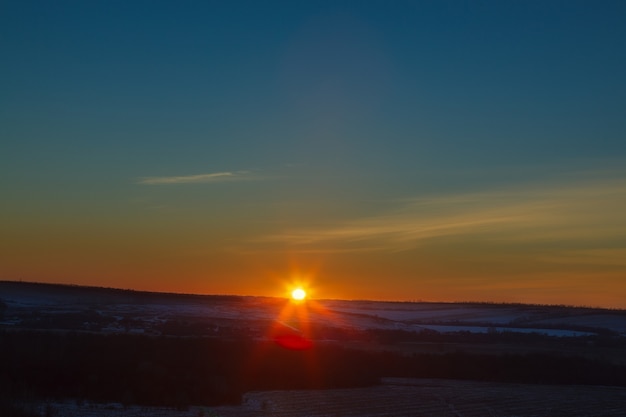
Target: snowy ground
x: 108, y: 310
x: 479, y: 318
x: 395, y: 397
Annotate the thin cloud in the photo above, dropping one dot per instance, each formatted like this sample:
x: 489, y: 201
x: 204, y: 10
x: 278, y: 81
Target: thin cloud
x: 557, y: 213
x: 200, y: 178
x: 606, y: 257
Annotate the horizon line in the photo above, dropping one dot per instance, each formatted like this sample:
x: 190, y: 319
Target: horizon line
x: 492, y: 303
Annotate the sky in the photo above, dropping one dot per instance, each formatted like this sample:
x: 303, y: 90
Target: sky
x: 385, y: 150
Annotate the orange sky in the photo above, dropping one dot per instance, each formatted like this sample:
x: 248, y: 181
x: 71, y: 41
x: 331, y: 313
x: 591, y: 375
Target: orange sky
x: 442, y: 151
x: 536, y: 244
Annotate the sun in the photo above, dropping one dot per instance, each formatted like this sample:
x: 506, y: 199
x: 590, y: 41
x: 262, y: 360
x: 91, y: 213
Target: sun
x: 298, y: 294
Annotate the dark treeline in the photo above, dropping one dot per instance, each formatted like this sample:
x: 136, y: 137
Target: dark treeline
x: 178, y: 372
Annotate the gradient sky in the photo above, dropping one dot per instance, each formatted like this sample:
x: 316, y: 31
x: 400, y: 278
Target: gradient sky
x: 397, y: 150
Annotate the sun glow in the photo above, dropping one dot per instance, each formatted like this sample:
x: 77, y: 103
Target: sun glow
x: 298, y: 294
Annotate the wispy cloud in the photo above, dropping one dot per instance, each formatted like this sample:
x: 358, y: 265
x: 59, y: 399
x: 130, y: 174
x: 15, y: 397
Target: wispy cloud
x: 199, y: 178
x: 606, y: 257
x: 583, y: 212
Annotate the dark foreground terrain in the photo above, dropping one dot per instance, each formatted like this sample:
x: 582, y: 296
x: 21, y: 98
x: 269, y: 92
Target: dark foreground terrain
x: 75, y: 351
x: 395, y: 397
x: 416, y: 398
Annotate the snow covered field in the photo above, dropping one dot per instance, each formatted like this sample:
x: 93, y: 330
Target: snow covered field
x: 395, y: 397
x: 109, y: 310
x: 97, y: 310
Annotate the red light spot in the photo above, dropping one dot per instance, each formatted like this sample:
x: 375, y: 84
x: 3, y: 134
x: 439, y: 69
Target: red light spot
x: 293, y: 341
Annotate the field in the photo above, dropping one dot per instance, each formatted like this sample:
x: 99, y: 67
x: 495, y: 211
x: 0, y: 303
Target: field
x: 94, y: 352
x: 399, y: 398
x: 115, y: 311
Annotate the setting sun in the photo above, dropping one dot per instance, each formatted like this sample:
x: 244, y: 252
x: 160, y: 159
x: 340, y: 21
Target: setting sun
x: 298, y: 294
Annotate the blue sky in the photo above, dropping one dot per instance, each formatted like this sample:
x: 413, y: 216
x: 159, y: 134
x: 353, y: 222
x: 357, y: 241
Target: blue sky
x: 167, y: 142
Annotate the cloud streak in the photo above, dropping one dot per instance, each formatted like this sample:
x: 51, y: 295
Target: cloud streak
x: 583, y: 213
x: 199, y: 178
